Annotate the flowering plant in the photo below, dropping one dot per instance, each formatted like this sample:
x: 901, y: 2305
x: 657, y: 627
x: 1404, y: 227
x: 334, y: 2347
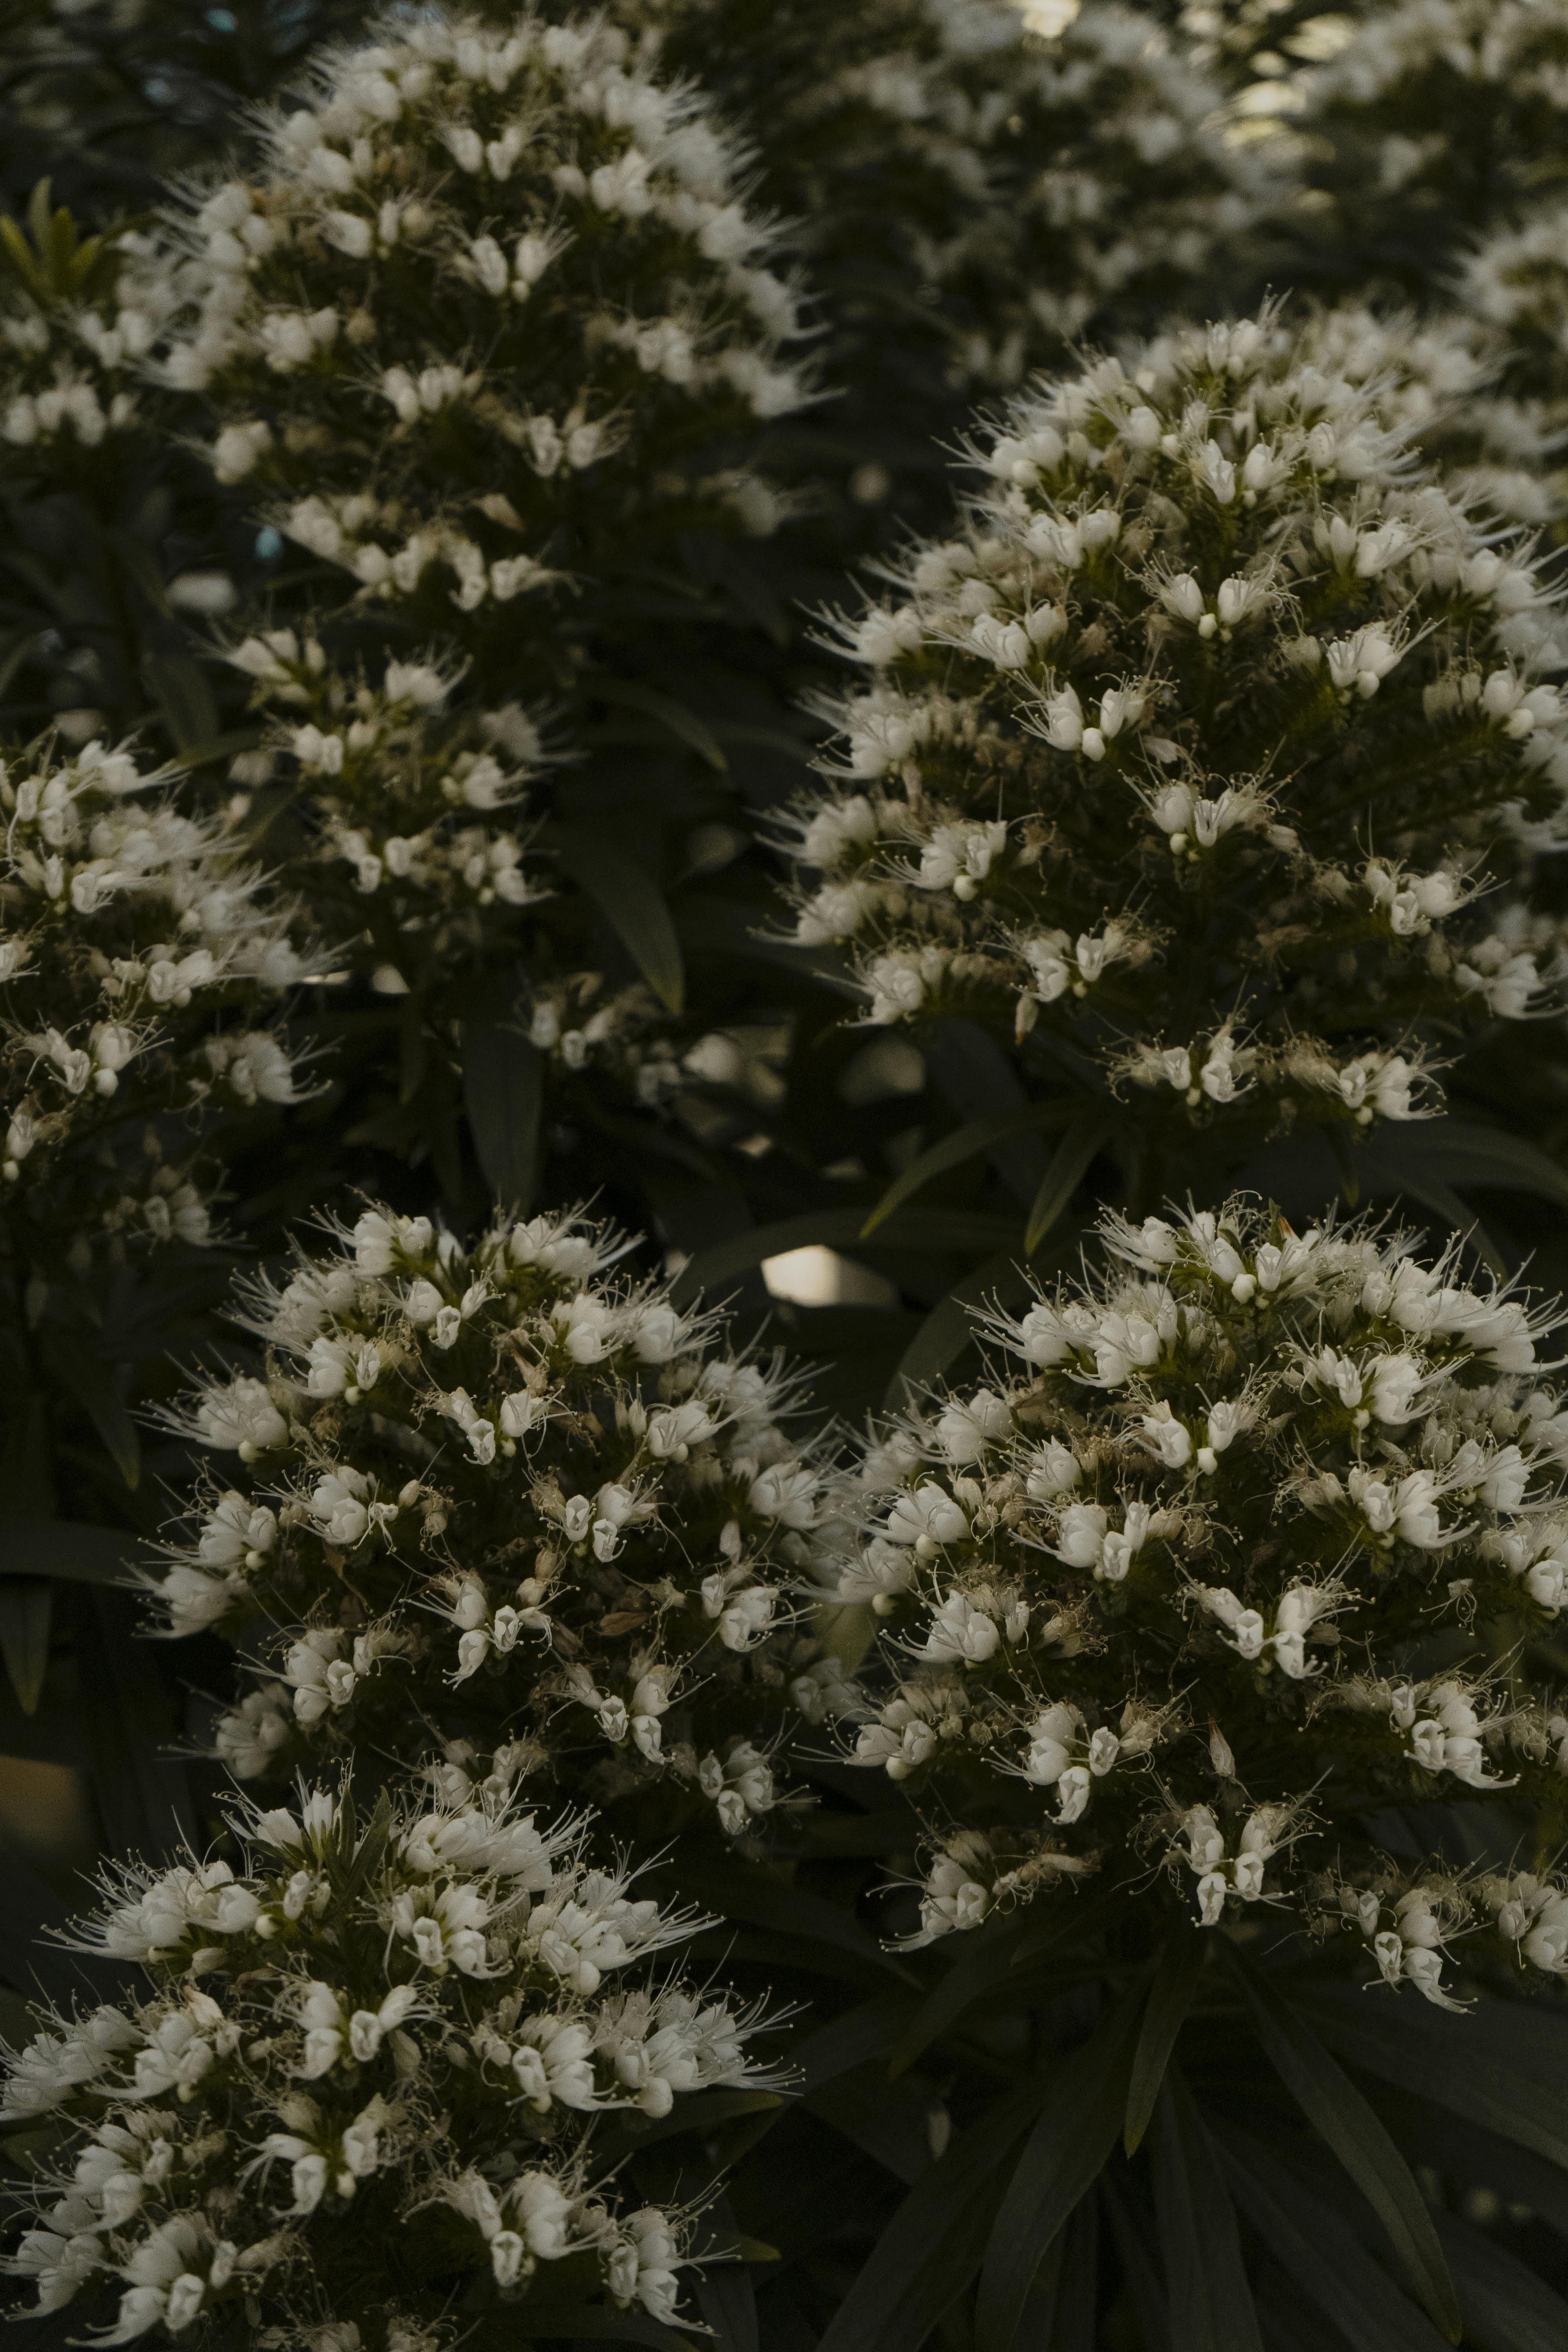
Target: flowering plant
x: 362, y: 2079
x: 970, y: 192
x: 1218, y: 1651
x: 1209, y: 1581
x: 492, y: 311
x: 499, y: 1492
x: 1428, y: 126
x: 1202, y: 768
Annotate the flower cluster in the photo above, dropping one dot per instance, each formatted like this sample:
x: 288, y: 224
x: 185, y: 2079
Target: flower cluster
x: 492, y: 311
x: 363, y: 2076
x: 1513, y: 295
x: 1023, y: 187
x: 70, y: 370
x: 1433, y: 119
x: 1452, y: 380
x: 411, y: 818
x: 499, y: 1491
x: 581, y: 1024
x: 143, y: 955
x: 1184, y: 764
x: 1212, y: 1569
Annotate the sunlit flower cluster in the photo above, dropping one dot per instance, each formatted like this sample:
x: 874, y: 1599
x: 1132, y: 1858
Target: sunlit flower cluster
x: 143, y: 956
x: 493, y: 306
x: 1213, y: 1566
x: 1511, y: 293
x: 1189, y: 763
x: 504, y: 1492
x: 384, y: 2029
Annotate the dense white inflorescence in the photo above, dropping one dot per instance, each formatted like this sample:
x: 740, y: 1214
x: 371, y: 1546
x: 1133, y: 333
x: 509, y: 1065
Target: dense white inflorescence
x: 1189, y: 763
x: 383, y: 2031
x: 941, y: 150
x: 1451, y: 380
x: 1430, y: 124
x: 72, y: 371
x: 144, y: 955
x: 505, y: 1493
x: 412, y: 816
x: 1215, y: 1566
x: 493, y: 303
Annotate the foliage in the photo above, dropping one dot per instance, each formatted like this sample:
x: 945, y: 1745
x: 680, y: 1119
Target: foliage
x: 435, y: 1972
x: 441, y: 441
x: 435, y: 1419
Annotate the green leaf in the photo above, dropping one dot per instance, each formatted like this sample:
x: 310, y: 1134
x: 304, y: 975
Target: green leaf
x: 949, y: 1327
x: 1457, y: 1151
x: 849, y: 2040
x: 631, y: 904
x: 93, y: 1384
x: 1322, y: 2252
x: 927, y: 2255
x: 728, y: 2301
x: 888, y: 2121
x: 66, y: 1548
x: 1345, y: 1160
x: 1145, y: 2287
x: 966, y: 1142
x: 1001, y: 1280
x: 1086, y: 2098
x: 984, y: 1963
x: 1337, y: 2110
x: 1504, y: 2067
x: 1178, y: 1970
x: 180, y: 688
x: 224, y: 747
x: 27, y: 1611
x: 1061, y: 1178
x: 1063, y: 2305
x: 142, y: 1793
x: 1210, y: 2301
x: 744, y: 1891
x: 1506, y: 2308
x: 503, y: 1092
x: 1431, y: 1192
x: 683, y: 724
x: 988, y: 1965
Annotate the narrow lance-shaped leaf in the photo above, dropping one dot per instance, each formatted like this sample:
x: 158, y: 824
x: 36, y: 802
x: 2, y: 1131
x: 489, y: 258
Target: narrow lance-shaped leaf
x: 1211, y: 2302
x: 929, y: 2250
x: 1322, y: 2254
x: 1061, y: 1178
x: 1177, y: 1973
x: 631, y: 904
x: 965, y: 1142
x: 93, y: 1383
x: 1086, y: 2098
x: 27, y: 1610
x: 503, y: 1094
x: 991, y: 1968
x: 1335, y: 2108
x: 1505, y: 2066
